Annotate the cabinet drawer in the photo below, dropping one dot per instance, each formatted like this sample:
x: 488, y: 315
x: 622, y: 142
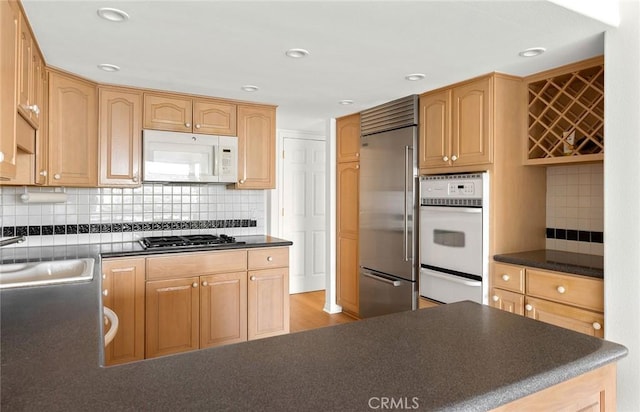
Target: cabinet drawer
x: 575, y: 290
x: 568, y: 317
x: 508, y: 277
x: 507, y: 301
x: 196, y: 264
x: 268, y: 258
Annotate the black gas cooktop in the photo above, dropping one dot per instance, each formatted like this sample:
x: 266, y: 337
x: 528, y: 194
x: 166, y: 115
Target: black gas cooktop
x: 188, y: 241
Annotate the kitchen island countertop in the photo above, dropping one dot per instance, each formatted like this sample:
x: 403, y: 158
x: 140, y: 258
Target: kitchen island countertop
x: 461, y: 356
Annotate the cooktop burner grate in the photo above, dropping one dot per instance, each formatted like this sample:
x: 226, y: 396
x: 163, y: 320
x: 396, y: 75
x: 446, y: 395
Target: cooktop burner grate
x: 168, y: 242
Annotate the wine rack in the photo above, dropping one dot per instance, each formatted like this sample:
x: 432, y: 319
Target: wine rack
x: 566, y: 114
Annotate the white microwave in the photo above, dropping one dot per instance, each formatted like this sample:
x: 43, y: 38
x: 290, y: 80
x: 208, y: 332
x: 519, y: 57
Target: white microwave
x: 188, y: 157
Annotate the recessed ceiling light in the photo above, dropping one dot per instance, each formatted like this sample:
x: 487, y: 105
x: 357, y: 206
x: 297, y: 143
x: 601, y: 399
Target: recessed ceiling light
x: 250, y: 88
x: 112, y: 14
x: 108, y: 67
x: 297, y: 53
x: 345, y: 102
x: 532, y: 52
x: 414, y: 77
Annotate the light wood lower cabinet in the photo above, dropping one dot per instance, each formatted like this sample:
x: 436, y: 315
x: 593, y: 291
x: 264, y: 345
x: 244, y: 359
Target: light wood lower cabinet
x: 569, y: 301
x: 223, y: 309
x: 172, y: 316
x: 268, y: 303
x: 123, y: 289
x: 204, y: 299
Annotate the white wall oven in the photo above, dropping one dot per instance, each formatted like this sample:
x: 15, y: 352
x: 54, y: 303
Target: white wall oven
x: 454, y: 237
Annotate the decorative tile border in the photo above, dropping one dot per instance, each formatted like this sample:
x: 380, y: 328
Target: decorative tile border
x: 47, y: 230
x: 577, y: 235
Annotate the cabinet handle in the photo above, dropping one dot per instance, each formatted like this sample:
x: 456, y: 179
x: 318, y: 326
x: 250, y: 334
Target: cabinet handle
x: 241, y: 181
x: 269, y: 258
x: 505, y: 277
x: 205, y: 283
x: 561, y: 289
x: 596, y: 326
x: 56, y: 176
x: 529, y: 308
x: 104, y: 276
x: 445, y: 159
x: 43, y: 173
x: 194, y: 284
x: 1, y: 156
x: 495, y: 298
x: 197, y: 126
x: 135, y: 178
x: 105, y: 292
x: 454, y: 158
x: 187, y: 125
x: 252, y: 278
x: 357, y: 166
x: 357, y: 154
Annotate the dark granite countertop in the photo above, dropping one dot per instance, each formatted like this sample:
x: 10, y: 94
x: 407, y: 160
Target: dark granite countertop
x: 123, y: 249
x: 461, y: 356
x: 568, y: 262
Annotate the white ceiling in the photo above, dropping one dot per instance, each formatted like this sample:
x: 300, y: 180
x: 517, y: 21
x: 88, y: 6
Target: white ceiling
x: 360, y: 50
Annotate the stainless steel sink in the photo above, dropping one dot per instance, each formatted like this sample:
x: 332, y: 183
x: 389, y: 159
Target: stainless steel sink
x: 14, y: 275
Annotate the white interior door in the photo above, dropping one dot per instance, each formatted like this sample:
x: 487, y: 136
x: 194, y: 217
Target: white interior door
x: 303, y: 212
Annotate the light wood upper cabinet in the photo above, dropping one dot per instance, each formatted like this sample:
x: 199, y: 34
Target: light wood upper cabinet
x: 185, y: 114
x: 9, y: 34
x: 172, y: 316
x: 123, y: 288
x: 348, y: 134
x: 214, y: 117
x: 456, y: 126
x: 256, y: 147
x: 120, y: 137
x: 73, y: 136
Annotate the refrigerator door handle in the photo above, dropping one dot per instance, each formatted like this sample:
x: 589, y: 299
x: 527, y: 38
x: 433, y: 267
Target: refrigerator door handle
x: 406, y: 213
x: 394, y: 283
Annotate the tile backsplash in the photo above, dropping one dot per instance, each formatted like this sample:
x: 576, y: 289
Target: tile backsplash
x: 93, y: 215
x: 575, y: 208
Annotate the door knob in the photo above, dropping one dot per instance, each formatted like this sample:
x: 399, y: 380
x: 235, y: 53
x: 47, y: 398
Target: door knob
x: 445, y: 159
x: 252, y: 278
x: 495, y: 298
x: 269, y: 258
x: 242, y: 181
x: 561, y: 289
x: 194, y: 284
x: 43, y: 173
x: 596, y: 326
x: 505, y: 277
x: 205, y: 283
x: 529, y: 308
x: 56, y: 176
x: 197, y: 126
x: 454, y: 158
x: 187, y: 125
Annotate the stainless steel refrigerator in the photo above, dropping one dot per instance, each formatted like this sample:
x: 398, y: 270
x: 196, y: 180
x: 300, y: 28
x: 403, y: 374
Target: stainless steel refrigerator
x: 389, y: 262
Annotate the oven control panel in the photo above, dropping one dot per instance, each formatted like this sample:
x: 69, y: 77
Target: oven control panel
x: 459, y: 186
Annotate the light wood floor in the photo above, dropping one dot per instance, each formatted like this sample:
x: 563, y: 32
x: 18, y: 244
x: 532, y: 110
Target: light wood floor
x: 307, y: 312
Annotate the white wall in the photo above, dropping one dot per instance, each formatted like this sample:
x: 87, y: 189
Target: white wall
x: 622, y: 198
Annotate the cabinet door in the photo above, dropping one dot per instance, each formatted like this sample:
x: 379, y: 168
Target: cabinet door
x: 164, y: 112
x: 25, y: 69
x: 507, y: 301
x: 73, y: 136
x: 435, y: 129
x: 120, y: 137
x: 223, y: 309
x: 256, y: 147
x: 37, y: 88
x: 472, y: 131
x: 9, y: 33
x: 348, y: 135
x: 347, y: 237
x: 41, y: 169
x: 123, y: 292
x: 268, y: 303
x: 214, y: 117
x: 172, y: 316
x: 584, y: 321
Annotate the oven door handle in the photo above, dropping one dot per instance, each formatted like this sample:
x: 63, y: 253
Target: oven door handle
x: 394, y: 283
x: 451, y: 209
x: 453, y: 278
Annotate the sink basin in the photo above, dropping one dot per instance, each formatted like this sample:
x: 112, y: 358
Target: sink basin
x: 14, y: 275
